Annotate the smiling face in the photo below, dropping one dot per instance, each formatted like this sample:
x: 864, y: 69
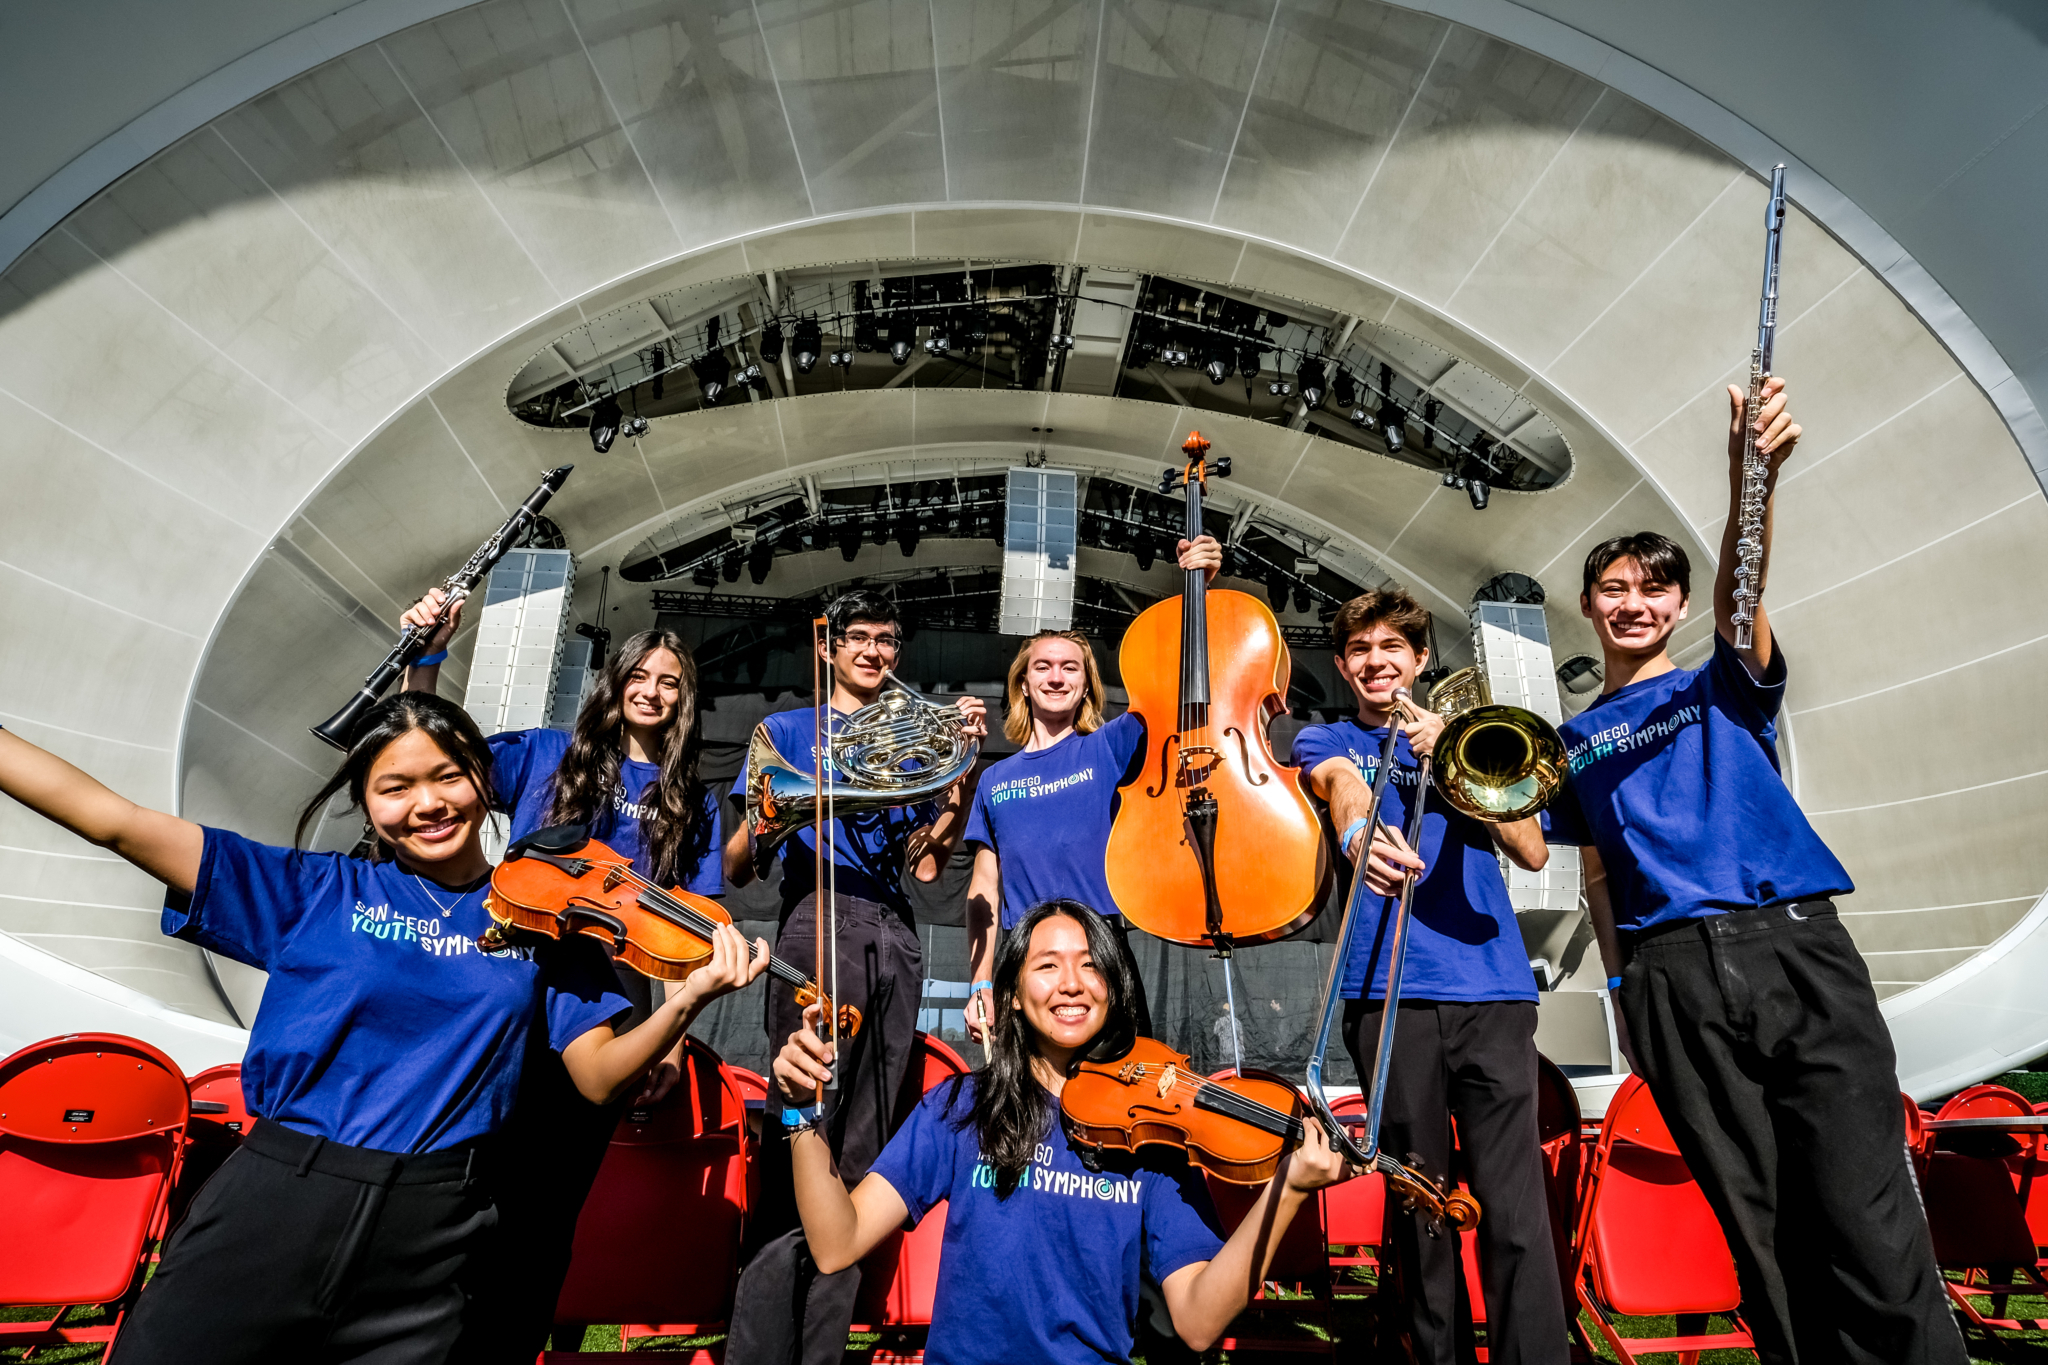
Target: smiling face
x: 1376, y: 660
x: 1056, y: 680
x: 861, y: 656
x: 1060, y: 991
x: 422, y: 804
x: 1632, y: 613
x: 653, y: 691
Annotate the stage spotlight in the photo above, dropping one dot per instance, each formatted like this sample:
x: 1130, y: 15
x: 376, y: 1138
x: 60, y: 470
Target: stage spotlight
x: 1393, y: 427
x: 849, y: 542
x: 1431, y: 409
x: 1477, y: 490
x: 713, y: 370
x: 760, y: 560
x: 1276, y: 320
x: 604, y: 424
x: 907, y: 536
x: 1276, y: 590
x: 807, y: 344
x: 1360, y: 418
x: 704, y: 576
x: 1248, y: 364
x: 1279, y: 388
x: 1217, y: 366
x: 633, y: 427
x: 1147, y: 551
x: 866, y: 335
x: 1302, y: 600
x: 1062, y: 341
x: 771, y: 341
x: 1308, y: 376
x: 729, y: 568
x: 1342, y: 391
x: 902, y: 336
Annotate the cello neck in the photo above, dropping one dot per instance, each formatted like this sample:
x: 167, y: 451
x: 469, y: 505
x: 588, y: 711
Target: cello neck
x: 1194, y: 618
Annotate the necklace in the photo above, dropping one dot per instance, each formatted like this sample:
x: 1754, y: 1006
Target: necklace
x: 446, y: 910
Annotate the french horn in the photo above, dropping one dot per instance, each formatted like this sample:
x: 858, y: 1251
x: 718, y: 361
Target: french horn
x: 1493, y: 762
x: 897, y: 750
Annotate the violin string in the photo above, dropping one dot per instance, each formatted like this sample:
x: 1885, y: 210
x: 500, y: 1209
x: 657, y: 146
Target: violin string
x: 694, y: 920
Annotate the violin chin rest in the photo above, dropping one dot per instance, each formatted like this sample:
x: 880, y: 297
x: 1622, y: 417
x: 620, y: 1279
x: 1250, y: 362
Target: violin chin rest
x: 549, y: 839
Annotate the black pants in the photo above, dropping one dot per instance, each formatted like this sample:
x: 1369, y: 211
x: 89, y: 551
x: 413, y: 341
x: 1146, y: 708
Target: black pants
x: 306, y: 1250
x: 1477, y: 1061
x: 1761, y: 1041
x: 783, y: 1306
x: 552, y: 1148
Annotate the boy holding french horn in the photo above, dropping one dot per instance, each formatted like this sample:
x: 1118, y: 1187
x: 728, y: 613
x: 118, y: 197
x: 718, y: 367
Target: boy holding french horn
x: 1749, y: 1012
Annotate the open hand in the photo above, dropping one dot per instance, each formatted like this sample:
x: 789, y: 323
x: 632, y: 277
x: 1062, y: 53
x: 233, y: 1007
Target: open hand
x: 805, y: 1062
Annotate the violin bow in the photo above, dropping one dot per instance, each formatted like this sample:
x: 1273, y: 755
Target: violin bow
x: 824, y: 828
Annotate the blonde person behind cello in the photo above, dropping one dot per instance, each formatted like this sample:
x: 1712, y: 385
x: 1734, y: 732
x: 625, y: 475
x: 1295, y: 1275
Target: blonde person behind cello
x: 1041, y: 817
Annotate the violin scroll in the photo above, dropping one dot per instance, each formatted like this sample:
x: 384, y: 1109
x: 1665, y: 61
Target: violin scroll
x: 808, y: 995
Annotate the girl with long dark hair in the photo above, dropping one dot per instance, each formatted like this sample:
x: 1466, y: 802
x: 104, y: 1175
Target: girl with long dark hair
x: 1042, y: 1256
x: 627, y: 773
x: 383, y: 1061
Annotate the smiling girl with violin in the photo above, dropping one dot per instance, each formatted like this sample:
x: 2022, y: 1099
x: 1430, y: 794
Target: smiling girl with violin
x: 1043, y: 1256
x: 1041, y: 817
x: 383, y: 1060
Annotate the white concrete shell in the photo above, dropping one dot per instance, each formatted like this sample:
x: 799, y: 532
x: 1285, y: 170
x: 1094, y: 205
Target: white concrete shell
x: 252, y: 391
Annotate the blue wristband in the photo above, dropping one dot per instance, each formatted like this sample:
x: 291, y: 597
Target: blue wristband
x: 1613, y: 983
x: 430, y: 660
x: 981, y: 986
x: 798, y: 1118
x: 1350, y: 832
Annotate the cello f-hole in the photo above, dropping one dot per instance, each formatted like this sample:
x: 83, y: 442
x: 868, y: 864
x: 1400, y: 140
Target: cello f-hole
x: 1171, y: 741
x: 1244, y: 756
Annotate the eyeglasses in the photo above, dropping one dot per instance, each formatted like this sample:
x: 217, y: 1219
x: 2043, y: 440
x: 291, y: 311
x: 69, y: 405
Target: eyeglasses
x: 858, y: 640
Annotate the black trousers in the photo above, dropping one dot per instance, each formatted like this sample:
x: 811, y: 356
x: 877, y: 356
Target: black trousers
x: 784, y: 1310
x: 1760, y: 1038
x: 1477, y: 1061
x: 306, y: 1250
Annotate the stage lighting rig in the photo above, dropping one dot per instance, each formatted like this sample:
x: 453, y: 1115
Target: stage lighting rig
x: 806, y: 345
x: 604, y: 424
x: 1308, y: 376
x: 713, y: 372
x: 771, y: 341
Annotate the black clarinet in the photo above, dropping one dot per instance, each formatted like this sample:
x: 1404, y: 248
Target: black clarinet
x: 340, y: 728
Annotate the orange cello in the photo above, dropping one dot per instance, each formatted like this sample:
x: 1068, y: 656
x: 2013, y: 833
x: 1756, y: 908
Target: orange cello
x: 1215, y: 842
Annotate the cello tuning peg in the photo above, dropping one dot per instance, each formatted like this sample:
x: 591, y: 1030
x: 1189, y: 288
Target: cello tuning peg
x: 1221, y: 468
x: 1167, y: 478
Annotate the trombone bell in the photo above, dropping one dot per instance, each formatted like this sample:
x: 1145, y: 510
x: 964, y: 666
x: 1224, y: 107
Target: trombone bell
x: 1493, y: 762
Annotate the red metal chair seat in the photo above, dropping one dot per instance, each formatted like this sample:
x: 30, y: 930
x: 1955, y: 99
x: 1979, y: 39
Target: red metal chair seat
x: 92, y: 1132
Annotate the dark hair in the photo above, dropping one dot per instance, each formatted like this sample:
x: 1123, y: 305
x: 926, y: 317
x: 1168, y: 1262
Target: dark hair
x: 1661, y: 558
x: 1392, y: 606
x: 447, y: 724
x: 589, y: 770
x: 1012, y: 1112
x: 859, y: 604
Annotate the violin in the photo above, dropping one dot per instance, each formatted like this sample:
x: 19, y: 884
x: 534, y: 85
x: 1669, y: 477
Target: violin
x: 1215, y: 841
x: 559, y: 882
x: 1235, y: 1127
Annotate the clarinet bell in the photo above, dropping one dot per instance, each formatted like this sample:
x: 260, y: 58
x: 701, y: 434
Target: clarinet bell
x: 339, y: 729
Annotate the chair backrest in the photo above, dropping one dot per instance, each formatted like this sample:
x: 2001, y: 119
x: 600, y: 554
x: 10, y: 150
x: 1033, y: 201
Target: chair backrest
x: 901, y: 1275
x: 218, y: 1108
x: 91, y: 1135
x: 1648, y: 1239
x: 1985, y: 1102
x: 753, y: 1086
x: 1974, y: 1214
x: 659, y: 1237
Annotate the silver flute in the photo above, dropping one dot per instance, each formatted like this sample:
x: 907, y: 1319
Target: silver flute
x: 1749, y: 546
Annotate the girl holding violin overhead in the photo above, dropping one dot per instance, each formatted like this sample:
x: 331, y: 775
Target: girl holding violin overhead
x: 1043, y: 1257
x: 384, y: 1058
x: 1041, y: 817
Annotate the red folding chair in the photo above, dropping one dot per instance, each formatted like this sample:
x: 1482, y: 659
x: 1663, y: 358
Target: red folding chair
x: 1648, y: 1243
x: 1560, y: 1128
x: 1984, y: 1102
x: 92, y: 1131
x: 1977, y: 1207
x: 2031, y: 1168
x: 900, y: 1276
x: 220, y: 1119
x: 657, y: 1246
x: 1354, y: 1217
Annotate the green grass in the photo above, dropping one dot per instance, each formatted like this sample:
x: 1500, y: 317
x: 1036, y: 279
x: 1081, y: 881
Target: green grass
x: 2032, y: 1084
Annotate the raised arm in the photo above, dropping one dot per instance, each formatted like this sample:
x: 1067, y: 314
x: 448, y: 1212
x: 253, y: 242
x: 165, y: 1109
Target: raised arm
x: 840, y: 1227
x: 1204, y: 1298
x: 426, y: 678
x: 1777, y: 435
x: 164, y: 846
x: 929, y: 849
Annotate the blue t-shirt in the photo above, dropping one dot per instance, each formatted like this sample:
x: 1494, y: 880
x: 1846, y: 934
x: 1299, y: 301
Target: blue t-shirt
x: 523, y: 764
x: 1463, y: 942
x: 868, y: 847
x: 1675, y: 781
x: 383, y: 1025
x: 1046, y: 817
x: 1051, y: 1273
